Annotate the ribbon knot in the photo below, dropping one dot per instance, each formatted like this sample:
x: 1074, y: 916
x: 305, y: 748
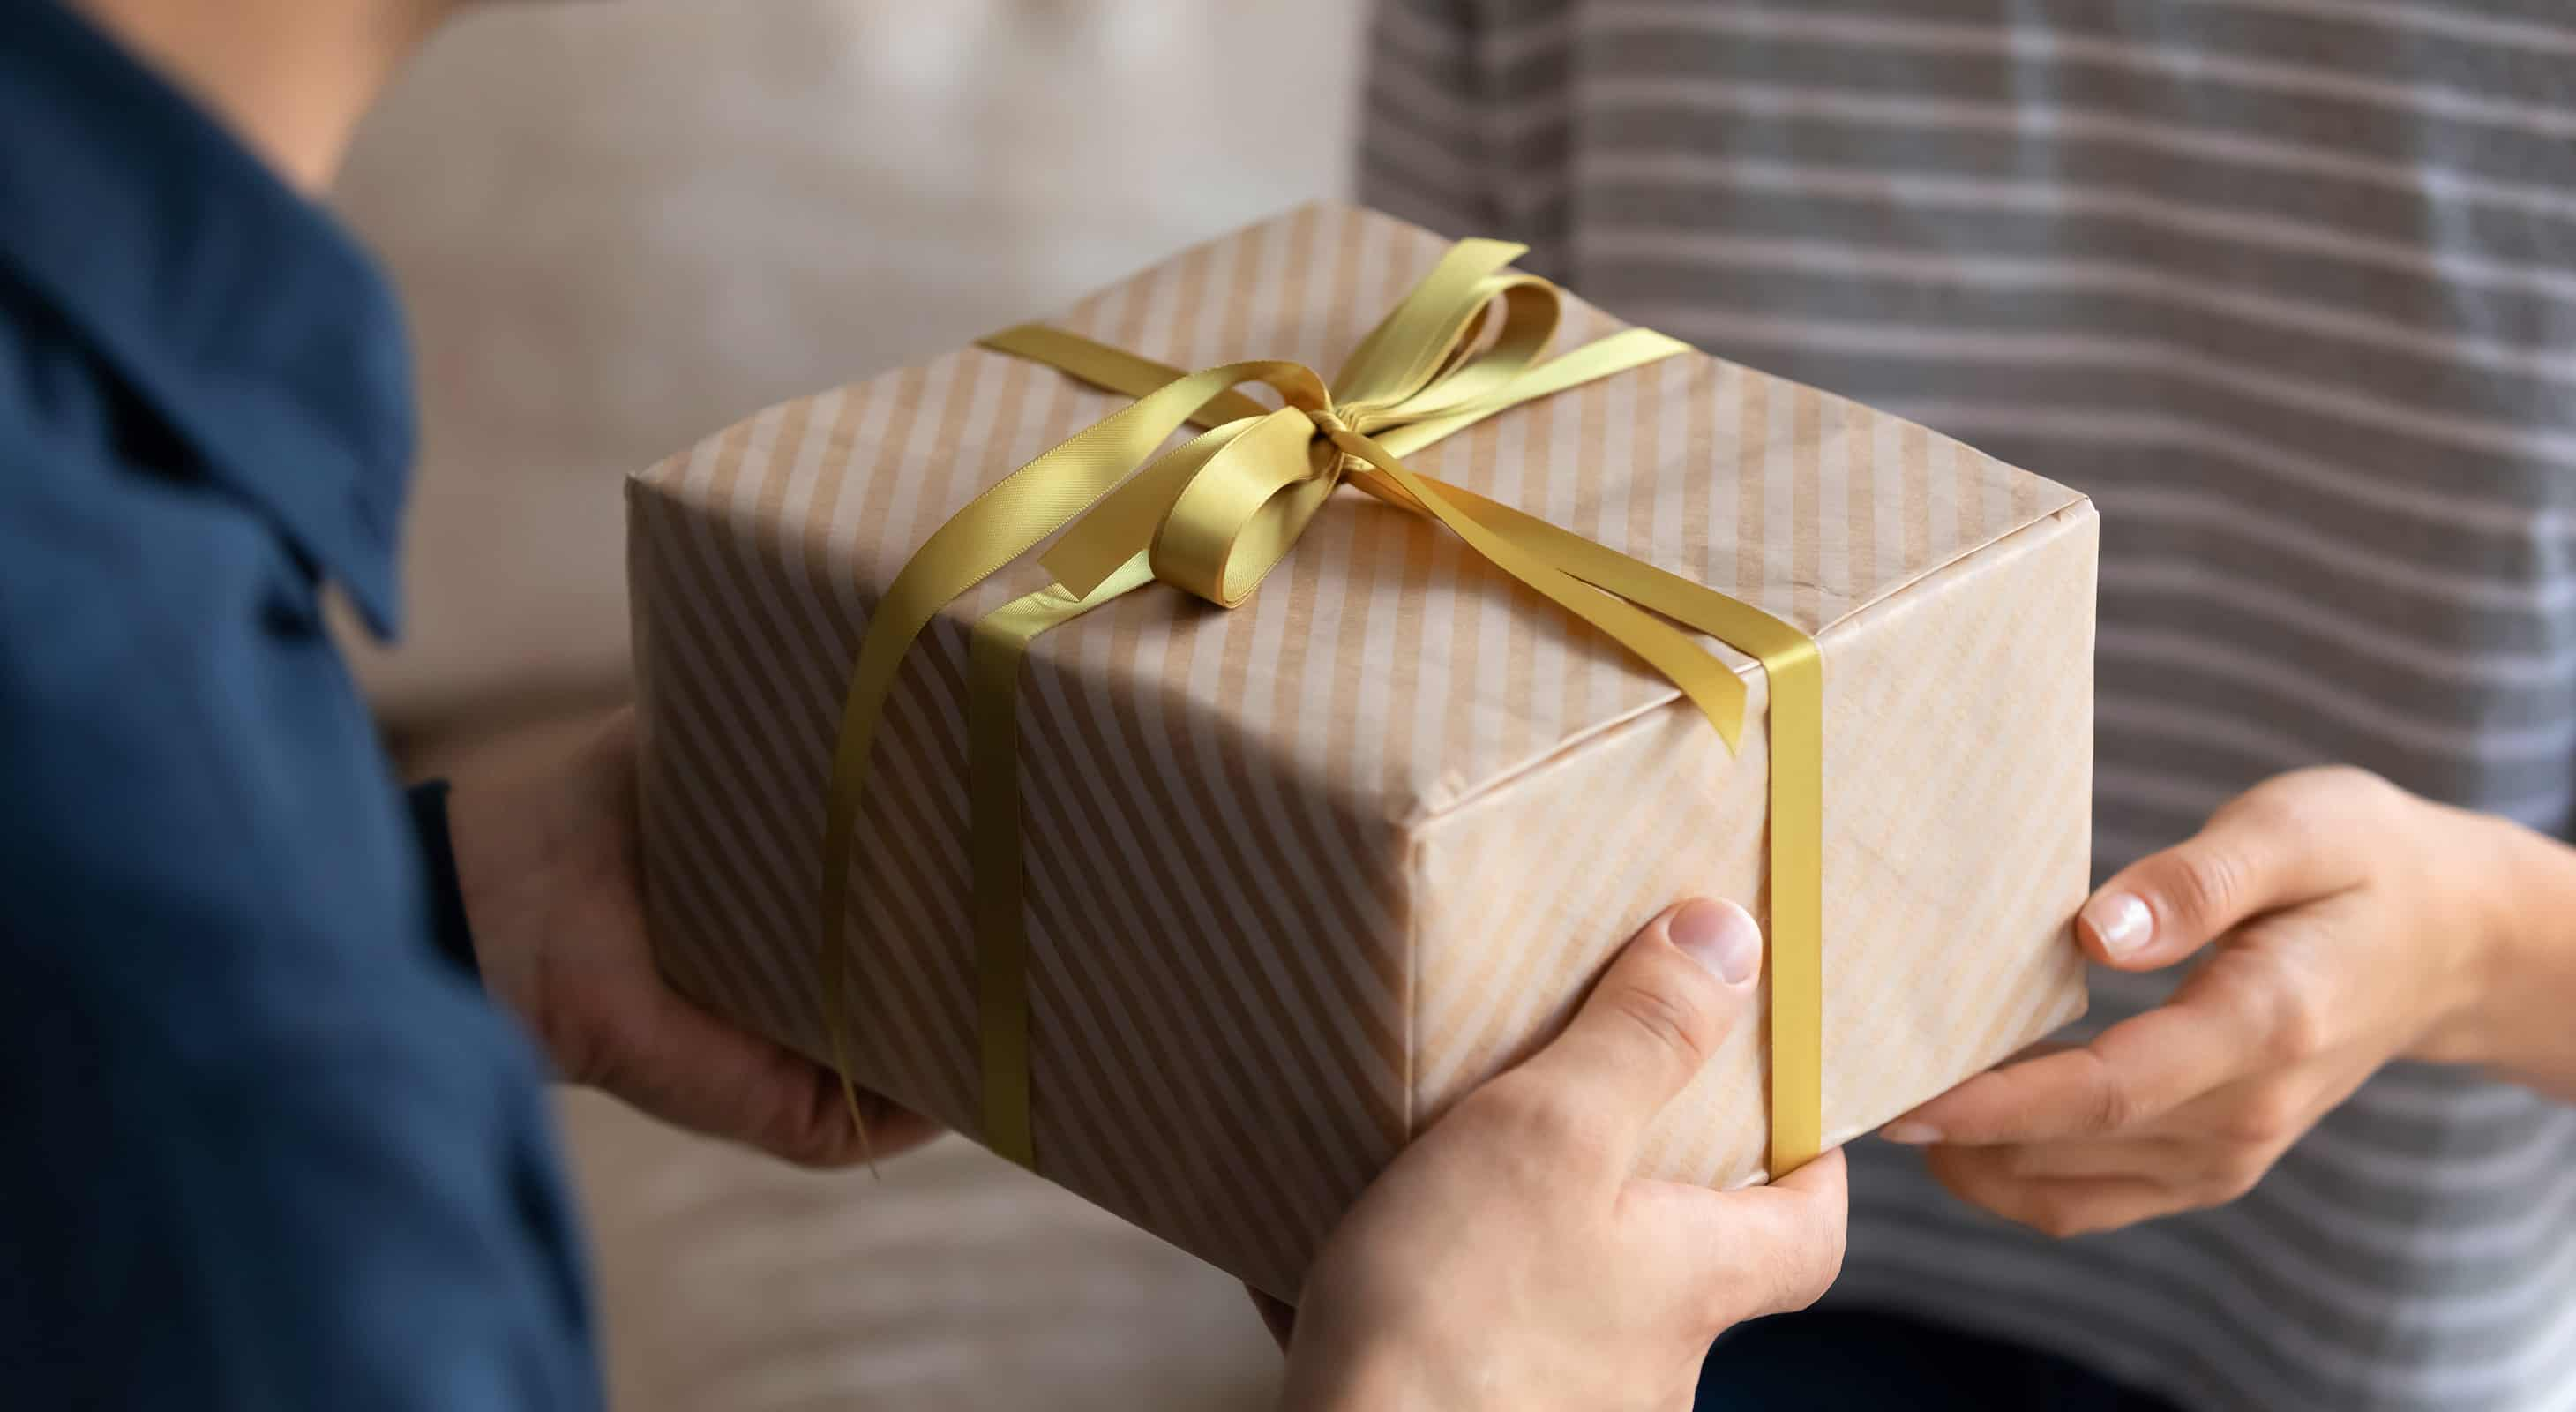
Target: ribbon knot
x: 1214, y: 515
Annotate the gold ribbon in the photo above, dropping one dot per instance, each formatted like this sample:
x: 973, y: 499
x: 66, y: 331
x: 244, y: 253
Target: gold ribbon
x: 1215, y: 515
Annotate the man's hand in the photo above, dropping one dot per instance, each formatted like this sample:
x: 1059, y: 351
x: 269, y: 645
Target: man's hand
x: 1509, y: 1259
x: 2348, y: 923
x: 548, y: 865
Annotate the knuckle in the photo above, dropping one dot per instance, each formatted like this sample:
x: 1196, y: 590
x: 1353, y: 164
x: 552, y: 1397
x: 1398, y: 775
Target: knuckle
x: 2026, y: 1161
x: 2205, y: 883
x: 2302, y: 794
x: 2266, y: 1118
x: 1666, y: 1021
x: 570, y: 1035
x: 1802, y: 1288
x: 796, y: 1138
x: 815, y: 1129
x: 2278, y: 800
x: 2111, y: 1102
x: 2323, y: 786
x: 2105, y: 1110
x: 813, y: 1155
x: 2053, y: 1215
x: 2294, y: 1023
x: 787, y: 1143
x: 1823, y: 1266
x: 2308, y: 804
x: 2236, y: 1176
x: 570, y: 1046
x: 580, y: 1050
x: 1800, y: 1276
x: 2245, y: 1128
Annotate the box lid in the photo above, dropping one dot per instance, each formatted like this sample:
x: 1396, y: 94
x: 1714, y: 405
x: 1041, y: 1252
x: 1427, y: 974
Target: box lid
x: 1381, y: 656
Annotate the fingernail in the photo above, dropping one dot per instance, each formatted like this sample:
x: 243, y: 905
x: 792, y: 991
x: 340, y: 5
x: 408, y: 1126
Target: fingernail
x: 1720, y: 936
x: 2120, y: 921
x: 1910, y: 1132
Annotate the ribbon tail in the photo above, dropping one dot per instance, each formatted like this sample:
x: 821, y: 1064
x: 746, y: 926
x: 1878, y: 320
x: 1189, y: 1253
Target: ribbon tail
x: 1797, y: 906
x: 1796, y: 718
x: 1001, y: 641
x: 1796, y: 714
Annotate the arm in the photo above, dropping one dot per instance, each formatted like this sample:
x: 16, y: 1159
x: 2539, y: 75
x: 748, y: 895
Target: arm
x: 2523, y: 1024
x: 2340, y: 923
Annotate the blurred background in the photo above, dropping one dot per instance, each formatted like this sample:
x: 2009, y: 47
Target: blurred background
x: 621, y: 227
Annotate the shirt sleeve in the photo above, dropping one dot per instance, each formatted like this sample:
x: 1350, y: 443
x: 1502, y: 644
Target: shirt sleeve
x: 265, y: 1150
x: 448, y: 929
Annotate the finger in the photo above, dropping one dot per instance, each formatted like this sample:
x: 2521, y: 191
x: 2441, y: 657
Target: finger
x: 2040, y: 1049
x: 1651, y: 1022
x: 2265, y: 1114
x: 710, y: 1077
x: 2133, y: 1074
x: 2062, y: 1207
x: 2173, y: 1161
x: 2268, y: 848
x: 1277, y: 1315
x: 1741, y: 1254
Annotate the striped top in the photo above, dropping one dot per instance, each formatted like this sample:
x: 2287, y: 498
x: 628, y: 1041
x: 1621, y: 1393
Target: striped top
x: 2287, y: 286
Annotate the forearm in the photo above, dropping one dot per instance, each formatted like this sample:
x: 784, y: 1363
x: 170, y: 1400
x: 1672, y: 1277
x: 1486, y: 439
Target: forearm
x: 2524, y: 1024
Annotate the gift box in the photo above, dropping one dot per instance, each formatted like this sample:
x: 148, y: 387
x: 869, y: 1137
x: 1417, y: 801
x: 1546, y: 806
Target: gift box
x: 1203, y: 912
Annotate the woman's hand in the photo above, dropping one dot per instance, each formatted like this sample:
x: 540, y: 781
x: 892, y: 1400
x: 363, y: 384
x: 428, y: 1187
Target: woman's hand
x: 1509, y: 1259
x: 2348, y: 923
x: 548, y: 867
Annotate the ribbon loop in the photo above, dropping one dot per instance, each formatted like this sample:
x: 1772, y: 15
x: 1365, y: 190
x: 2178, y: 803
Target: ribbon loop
x: 1234, y: 520
x: 1409, y: 345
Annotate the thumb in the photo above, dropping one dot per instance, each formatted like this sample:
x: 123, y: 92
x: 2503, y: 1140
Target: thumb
x: 2266, y: 849
x: 1742, y: 1254
x: 1654, y: 1018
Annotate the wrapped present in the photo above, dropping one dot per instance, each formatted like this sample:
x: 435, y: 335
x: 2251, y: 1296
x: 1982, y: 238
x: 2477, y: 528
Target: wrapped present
x: 1194, y: 812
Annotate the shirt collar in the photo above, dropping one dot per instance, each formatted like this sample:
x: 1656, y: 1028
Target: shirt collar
x: 235, y: 308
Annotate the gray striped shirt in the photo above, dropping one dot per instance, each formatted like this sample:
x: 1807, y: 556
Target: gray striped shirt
x: 2287, y: 286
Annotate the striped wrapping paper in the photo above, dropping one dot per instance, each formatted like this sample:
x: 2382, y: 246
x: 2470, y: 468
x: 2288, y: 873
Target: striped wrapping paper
x: 1302, y: 874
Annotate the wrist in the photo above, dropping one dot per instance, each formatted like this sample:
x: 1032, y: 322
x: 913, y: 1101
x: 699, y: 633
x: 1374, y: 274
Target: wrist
x: 1387, y: 1367
x: 500, y: 889
x: 2520, y: 969
x: 1367, y: 1380
x: 1376, y: 1379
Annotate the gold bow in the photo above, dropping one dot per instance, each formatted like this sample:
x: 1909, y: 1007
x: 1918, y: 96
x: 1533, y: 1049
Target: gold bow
x: 1215, y: 515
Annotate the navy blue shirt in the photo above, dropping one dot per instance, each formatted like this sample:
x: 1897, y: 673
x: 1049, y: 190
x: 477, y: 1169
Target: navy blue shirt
x: 264, y: 1147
